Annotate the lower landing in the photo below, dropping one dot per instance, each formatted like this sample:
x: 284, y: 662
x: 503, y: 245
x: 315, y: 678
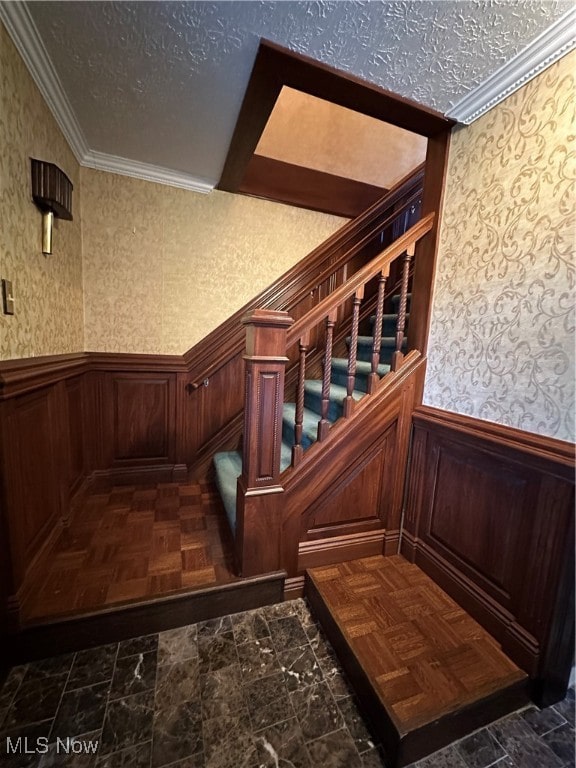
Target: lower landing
x: 425, y: 672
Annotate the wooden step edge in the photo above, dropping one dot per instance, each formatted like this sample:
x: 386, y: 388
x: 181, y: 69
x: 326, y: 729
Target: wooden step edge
x: 402, y: 748
x: 74, y: 632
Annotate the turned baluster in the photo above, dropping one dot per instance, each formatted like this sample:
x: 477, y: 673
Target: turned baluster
x: 398, y: 354
x: 373, y: 378
x: 297, y: 450
x: 353, y: 351
x: 324, y: 424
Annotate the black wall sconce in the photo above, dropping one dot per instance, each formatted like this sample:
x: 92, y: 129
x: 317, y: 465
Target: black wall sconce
x: 52, y: 193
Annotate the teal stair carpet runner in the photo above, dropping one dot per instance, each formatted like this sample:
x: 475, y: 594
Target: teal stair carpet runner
x: 228, y: 464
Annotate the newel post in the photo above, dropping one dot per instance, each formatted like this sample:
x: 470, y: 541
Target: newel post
x: 258, y: 531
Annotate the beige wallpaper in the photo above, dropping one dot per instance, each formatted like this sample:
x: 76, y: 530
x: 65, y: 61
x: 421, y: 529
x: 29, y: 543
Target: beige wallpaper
x: 164, y: 266
x: 502, y: 336
x: 48, y: 290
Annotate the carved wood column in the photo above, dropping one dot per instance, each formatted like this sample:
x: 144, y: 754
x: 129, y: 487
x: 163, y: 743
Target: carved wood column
x: 258, y: 513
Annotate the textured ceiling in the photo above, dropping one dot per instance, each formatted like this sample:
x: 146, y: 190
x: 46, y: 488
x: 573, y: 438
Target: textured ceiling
x: 162, y: 82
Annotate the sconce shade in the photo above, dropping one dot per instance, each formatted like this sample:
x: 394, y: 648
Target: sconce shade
x: 51, y: 189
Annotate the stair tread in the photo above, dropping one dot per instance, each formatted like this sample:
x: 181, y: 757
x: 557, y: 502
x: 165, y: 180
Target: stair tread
x: 426, y: 627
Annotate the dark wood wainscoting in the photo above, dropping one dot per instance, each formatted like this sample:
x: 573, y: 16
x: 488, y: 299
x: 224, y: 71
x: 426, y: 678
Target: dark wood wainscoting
x: 348, y: 503
x: 490, y: 516
x: 42, y: 460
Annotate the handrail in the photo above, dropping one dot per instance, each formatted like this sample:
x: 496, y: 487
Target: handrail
x: 229, y: 336
x: 360, y: 278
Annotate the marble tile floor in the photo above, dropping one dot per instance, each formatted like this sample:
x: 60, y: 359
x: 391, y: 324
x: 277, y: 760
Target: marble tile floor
x: 260, y: 688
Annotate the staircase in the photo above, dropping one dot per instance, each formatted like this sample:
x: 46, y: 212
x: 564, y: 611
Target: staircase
x: 228, y: 464
x: 319, y: 485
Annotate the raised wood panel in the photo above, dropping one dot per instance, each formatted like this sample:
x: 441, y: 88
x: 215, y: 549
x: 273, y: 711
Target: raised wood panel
x: 499, y: 497
x: 220, y: 400
x: 379, y: 433
x: 489, y: 513
x: 32, y: 475
x: 360, y: 496
x: 75, y: 400
x: 143, y: 413
x: 359, y: 500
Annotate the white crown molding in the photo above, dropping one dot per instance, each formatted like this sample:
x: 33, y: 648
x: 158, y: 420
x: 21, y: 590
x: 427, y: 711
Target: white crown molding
x: 21, y: 28
x: 558, y: 40
x: 120, y: 165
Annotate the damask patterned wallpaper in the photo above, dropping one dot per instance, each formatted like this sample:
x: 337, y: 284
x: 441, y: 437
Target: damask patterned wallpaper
x: 165, y: 266
x: 48, y: 290
x: 502, y: 337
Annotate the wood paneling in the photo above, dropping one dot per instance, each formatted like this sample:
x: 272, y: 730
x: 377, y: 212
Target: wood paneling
x: 488, y: 515
x: 308, y: 188
x: 323, y: 519
x: 103, y: 418
x: 276, y: 66
x: 31, y: 474
x: 426, y: 249
x: 143, y: 411
x: 75, y: 437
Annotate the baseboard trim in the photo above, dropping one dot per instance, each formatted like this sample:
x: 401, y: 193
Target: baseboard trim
x: 102, y: 479
x: 312, y: 554
x: 294, y: 588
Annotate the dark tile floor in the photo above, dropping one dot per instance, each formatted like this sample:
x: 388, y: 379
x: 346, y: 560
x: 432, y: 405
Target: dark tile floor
x: 260, y: 688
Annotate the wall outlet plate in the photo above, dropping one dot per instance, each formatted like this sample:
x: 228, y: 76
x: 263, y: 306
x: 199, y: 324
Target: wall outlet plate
x: 7, y: 297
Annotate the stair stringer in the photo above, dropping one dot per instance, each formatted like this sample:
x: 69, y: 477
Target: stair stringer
x: 364, y: 458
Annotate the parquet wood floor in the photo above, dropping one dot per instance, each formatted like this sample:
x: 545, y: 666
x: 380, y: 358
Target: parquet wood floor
x: 134, y: 543
x: 424, y: 656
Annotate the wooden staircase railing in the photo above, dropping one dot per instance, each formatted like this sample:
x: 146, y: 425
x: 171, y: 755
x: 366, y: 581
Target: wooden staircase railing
x: 270, y: 336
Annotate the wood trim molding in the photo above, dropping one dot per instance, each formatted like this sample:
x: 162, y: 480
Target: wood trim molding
x: 538, y: 447
x: 276, y: 67
x: 338, y: 549
x: 17, y: 377
x: 308, y: 188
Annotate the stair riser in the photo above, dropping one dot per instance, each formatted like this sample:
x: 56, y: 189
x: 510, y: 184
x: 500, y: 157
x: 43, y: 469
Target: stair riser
x: 314, y: 403
x: 365, y: 354
x: 289, y: 437
x: 389, y: 325
x: 341, y: 377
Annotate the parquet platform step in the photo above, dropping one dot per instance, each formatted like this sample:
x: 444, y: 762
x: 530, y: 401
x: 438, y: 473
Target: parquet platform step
x: 424, y: 671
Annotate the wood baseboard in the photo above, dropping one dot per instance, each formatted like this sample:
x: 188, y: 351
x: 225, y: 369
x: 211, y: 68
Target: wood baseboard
x: 294, y: 588
x: 103, y: 479
x: 312, y: 554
